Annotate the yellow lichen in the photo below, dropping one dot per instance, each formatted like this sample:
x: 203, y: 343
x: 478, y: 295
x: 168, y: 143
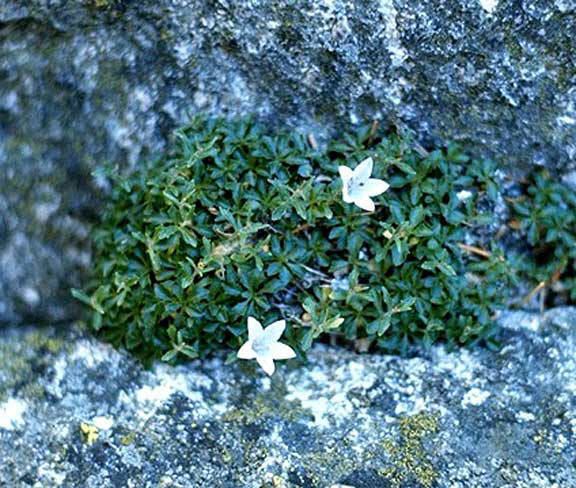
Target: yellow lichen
x: 101, y: 3
x: 128, y: 439
x: 17, y: 362
x: 277, y: 482
x: 89, y: 433
x: 262, y: 406
x: 408, y: 456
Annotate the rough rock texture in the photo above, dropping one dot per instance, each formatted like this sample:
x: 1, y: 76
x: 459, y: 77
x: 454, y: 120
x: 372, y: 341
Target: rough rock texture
x: 76, y: 413
x: 83, y: 82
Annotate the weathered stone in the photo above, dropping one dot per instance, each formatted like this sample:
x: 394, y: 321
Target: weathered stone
x: 84, y: 82
x: 74, y: 412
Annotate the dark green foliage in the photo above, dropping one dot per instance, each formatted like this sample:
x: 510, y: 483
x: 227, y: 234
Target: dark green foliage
x: 546, y: 216
x: 238, y: 222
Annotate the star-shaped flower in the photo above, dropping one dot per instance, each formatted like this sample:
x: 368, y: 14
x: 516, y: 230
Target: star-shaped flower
x: 263, y: 345
x: 358, y: 187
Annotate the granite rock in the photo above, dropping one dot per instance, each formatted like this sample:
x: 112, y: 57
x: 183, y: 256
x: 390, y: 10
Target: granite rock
x: 74, y: 412
x: 84, y: 82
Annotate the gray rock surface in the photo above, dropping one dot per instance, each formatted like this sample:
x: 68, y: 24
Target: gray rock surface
x: 84, y: 82
x: 76, y: 413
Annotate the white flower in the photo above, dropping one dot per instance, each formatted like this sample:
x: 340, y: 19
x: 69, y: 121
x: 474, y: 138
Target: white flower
x: 358, y: 187
x: 263, y: 345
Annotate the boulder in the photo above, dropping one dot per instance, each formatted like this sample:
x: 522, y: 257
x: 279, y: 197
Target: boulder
x: 86, y: 82
x: 76, y: 412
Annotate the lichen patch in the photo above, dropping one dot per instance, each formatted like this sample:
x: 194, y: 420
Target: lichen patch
x: 12, y: 414
x: 489, y: 5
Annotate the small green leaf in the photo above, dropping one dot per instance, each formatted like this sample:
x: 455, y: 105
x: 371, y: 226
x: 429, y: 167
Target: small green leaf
x: 170, y: 356
x: 80, y: 295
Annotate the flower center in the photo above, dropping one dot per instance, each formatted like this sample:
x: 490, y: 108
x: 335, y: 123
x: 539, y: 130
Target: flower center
x: 354, y: 185
x: 260, y: 346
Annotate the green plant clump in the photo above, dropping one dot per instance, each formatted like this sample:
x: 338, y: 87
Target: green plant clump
x: 546, y: 215
x: 237, y: 221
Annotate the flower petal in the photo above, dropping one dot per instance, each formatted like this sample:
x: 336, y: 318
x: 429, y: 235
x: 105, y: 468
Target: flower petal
x: 281, y: 351
x: 365, y: 203
x: 345, y: 173
x: 345, y: 194
x: 246, y: 351
x: 356, y: 191
x: 363, y: 171
x: 374, y: 187
x: 274, y: 331
x: 267, y: 364
x: 254, y: 328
